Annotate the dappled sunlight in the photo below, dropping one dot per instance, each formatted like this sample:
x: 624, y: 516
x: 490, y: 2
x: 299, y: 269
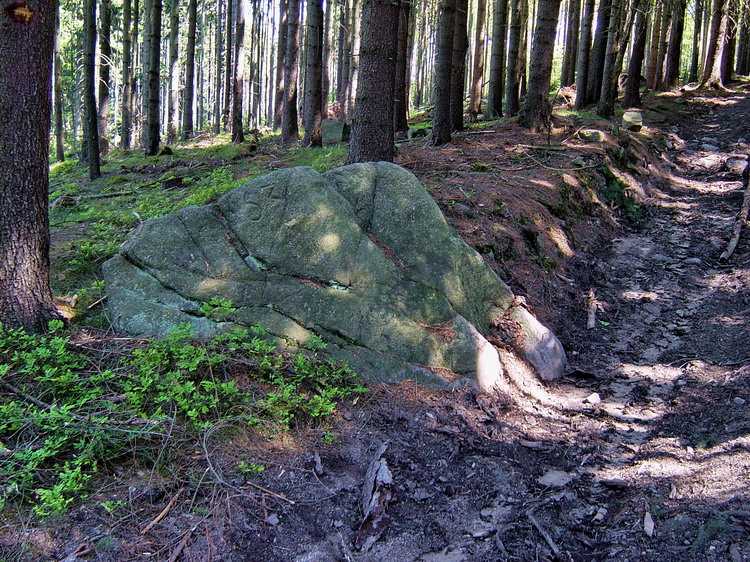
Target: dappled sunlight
x: 329, y: 243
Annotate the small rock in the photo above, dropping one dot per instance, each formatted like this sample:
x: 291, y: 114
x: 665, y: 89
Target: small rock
x: 272, y: 519
x: 555, y: 478
x: 693, y: 261
x: 593, y: 398
x: 735, y: 165
x: 739, y: 401
x: 601, y: 513
x: 709, y: 147
x: 648, y: 524
x: 481, y: 530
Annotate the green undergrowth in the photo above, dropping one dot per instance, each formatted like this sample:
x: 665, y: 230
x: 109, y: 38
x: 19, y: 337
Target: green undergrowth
x: 68, y: 410
x: 616, y: 194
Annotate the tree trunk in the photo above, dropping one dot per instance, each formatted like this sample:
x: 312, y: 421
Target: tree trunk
x: 188, y: 94
x: 356, y: 41
x: 89, y: 83
x: 621, y: 23
x: 598, y: 52
x: 696, y: 41
x: 26, y: 53
x: 313, y: 73
x: 743, y: 41
x: 173, y: 106
x: 458, y: 65
x: 127, y: 76
x: 477, y: 73
x: 633, y: 83
x: 712, y: 75
x: 537, y: 109
x: 514, y: 45
x: 144, y: 86
x: 154, y: 67
x: 674, y: 51
x: 59, y: 130
x: 218, y: 54
x: 289, y: 125
x: 280, y: 64
x: 228, y: 63
x: 105, y: 62
x: 400, y: 89
x: 584, y: 52
x: 441, y: 114
x: 372, y: 136
x: 497, y: 60
x: 661, y: 53
x: 326, y: 87
x: 523, y: 47
x: 727, y: 56
x: 238, y: 72
x: 568, y: 72
x: 654, y: 46
x: 344, y: 53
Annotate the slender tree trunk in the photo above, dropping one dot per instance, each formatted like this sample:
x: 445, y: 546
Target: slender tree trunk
x: 441, y: 116
x: 712, y: 75
x: 173, y: 106
x: 524, y: 45
x: 653, y: 53
x: 633, y: 83
x: 289, y: 126
x: 218, y: 56
x: 458, y: 66
x: 280, y: 64
x: 674, y: 51
x: 326, y: 59
x: 696, y: 41
x: 154, y: 64
x: 372, y: 137
x: 514, y: 44
x: 59, y: 129
x: 356, y: 41
x: 188, y: 93
x: 598, y: 51
x: 584, y: 52
x: 497, y: 59
x: 26, y: 53
x: 400, y: 92
x: 313, y: 73
x: 567, y: 74
x: 743, y: 41
x: 537, y: 109
x: 661, y: 53
x: 91, y: 121
x: 127, y: 76
x: 477, y: 74
x: 144, y: 87
x: 344, y: 54
x: 621, y: 24
x: 105, y: 62
x: 238, y: 73
x: 727, y: 56
x: 229, y: 63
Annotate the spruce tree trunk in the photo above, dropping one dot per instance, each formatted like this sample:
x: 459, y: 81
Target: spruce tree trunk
x: 497, y: 60
x: 514, y: 45
x: 89, y: 83
x: 458, y: 66
x: 59, y: 129
x: 188, y: 97
x: 523, y: 49
x: 441, y: 114
x: 216, y: 126
x: 228, y: 63
x: 674, y: 51
x: 477, y: 73
x: 342, y: 71
x: 105, y: 62
x: 727, y: 56
x: 127, y: 76
x: 313, y: 73
x: 173, y: 106
x: 654, y: 46
x: 584, y: 53
x: 661, y: 53
x: 696, y: 41
x: 154, y: 69
x: 537, y: 109
x: 326, y: 88
x: 633, y: 84
x: 356, y: 41
x: 145, y: 62
x: 568, y: 72
x: 621, y: 24
x: 743, y: 41
x: 280, y: 64
x: 238, y: 72
x: 372, y: 136
x: 26, y: 53
x: 289, y: 125
x: 717, y: 36
x: 598, y: 52
x: 400, y: 90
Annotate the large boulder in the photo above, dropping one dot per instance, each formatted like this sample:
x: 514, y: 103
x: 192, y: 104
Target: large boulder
x: 360, y: 256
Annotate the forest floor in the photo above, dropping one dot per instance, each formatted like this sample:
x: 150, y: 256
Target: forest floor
x: 642, y: 451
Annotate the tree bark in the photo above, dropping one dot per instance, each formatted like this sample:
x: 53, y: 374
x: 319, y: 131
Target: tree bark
x: 458, y: 65
x: 289, y: 125
x: 372, y: 136
x: 537, y: 109
x: 356, y: 42
x: 514, y: 44
x: 584, y: 52
x: 598, y: 52
x: 497, y: 60
x: 441, y: 115
x: 674, y: 51
x: 696, y: 41
x: 127, y: 76
x: 218, y: 55
x: 89, y: 84
x: 633, y: 84
x: 712, y: 75
x: 280, y: 64
x: 59, y: 129
x: 238, y: 72
x: 313, y: 74
x: 188, y: 93
x: 477, y: 73
x: 154, y: 68
x: 621, y: 24
x: 743, y: 41
x: 400, y: 91
x: 326, y: 88
x: 568, y: 72
x: 661, y: 53
x: 344, y: 53
x: 228, y: 63
x: 173, y: 106
x: 727, y: 55
x: 105, y: 63
x: 26, y: 53
x: 654, y: 46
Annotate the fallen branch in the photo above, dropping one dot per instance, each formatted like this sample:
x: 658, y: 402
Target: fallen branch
x: 164, y: 512
x: 545, y: 535
x: 741, y: 217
